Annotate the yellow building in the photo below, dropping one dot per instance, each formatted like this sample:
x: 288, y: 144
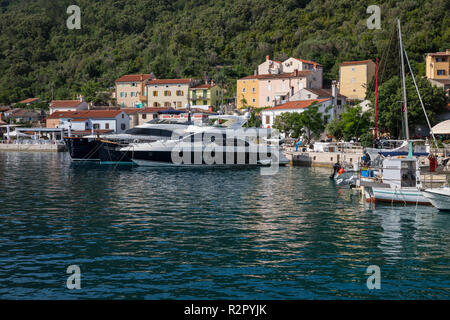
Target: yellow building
x: 205, y: 95
x: 247, y: 89
x: 354, y: 77
x: 168, y: 93
x: 438, y: 65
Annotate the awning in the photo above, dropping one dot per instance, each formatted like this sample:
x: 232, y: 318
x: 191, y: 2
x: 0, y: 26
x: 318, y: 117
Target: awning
x: 442, y: 127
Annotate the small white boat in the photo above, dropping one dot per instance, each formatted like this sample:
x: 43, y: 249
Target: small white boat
x: 400, y: 183
x: 439, y: 197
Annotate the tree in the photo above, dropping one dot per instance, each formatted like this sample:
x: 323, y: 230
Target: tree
x: 390, y: 97
x: 312, y: 121
x: 309, y: 123
x: 289, y: 123
x: 353, y: 123
x: 89, y: 90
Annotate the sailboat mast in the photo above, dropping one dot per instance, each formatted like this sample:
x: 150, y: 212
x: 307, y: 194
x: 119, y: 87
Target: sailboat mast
x: 376, y: 101
x: 405, y: 107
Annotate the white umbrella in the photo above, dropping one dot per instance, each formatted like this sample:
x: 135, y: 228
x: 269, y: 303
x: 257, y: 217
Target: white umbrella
x: 442, y: 127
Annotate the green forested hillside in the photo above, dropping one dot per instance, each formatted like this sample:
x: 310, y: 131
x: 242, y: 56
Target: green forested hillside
x: 39, y: 56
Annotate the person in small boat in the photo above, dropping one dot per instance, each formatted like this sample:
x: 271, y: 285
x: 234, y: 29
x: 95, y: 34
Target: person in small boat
x: 366, y: 159
x: 336, y: 168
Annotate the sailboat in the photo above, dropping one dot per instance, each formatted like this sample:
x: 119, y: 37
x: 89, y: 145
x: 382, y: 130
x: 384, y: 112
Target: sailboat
x: 398, y: 180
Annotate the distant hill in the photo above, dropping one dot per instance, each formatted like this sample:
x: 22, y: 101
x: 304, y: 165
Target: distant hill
x: 39, y: 56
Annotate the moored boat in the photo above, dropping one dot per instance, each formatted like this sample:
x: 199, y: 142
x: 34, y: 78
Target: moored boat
x: 439, y: 197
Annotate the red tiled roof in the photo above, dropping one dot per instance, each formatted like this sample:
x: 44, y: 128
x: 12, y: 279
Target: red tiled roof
x: 168, y: 81
x: 347, y: 63
x: 85, y: 114
x: 29, y: 100
x: 296, y: 104
x: 65, y: 103
x: 134, y: 77
x: 300, y: 74
x: 309, y: 62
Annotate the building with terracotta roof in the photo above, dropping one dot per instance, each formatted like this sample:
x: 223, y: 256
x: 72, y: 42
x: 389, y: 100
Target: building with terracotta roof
x: 354, y: 78
x: 168, y: 93
x: 130, y: 90
x: 68, y: 105
x: 116, y: 121
x: 269, y: 115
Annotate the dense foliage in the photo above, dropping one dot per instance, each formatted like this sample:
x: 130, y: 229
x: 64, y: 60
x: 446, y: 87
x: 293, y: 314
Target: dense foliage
x: 390, y: 104
x: 224, y: 39
x: 309, y: 123
x: 352, y: 124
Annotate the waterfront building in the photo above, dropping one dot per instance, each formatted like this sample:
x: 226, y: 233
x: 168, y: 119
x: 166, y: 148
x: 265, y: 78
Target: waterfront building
x: 19, y: 115
x: 270, y: 89
x: 274, y: 82
x: 142, y: 116
x: 438, y: 69
x: 130, y: 90
x: 354, y: 77
x: 204, y: 96
x: 68, y: 105
x: 168, y: 93
x: 114, y: 121
x: 338, y: 100
x: 269, y: 115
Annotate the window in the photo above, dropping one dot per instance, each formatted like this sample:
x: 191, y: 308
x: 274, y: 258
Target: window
x: 106, y: 125
x: 133, y: 84
x: 353, y: 69
x: 179, y: 93
x: 309, y: 96
x: 267, y: 119
x: 253, y: 100
x: 144, y: 116
x: 441, y: 72
x: 253, y: 90
x: 132, y: 94
x: 268, y: 99
x: 167, y: 104
x: 353, y: 80
x: 123, y: 126
x: 167, y: 93
x: 123, y: 116
x: 96, y: 126
x: 155, y: 93
x: 179, y: 104
x: 243, y: 90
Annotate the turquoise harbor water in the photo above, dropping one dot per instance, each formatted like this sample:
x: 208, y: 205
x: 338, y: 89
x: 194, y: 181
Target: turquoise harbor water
x: 180, y: 233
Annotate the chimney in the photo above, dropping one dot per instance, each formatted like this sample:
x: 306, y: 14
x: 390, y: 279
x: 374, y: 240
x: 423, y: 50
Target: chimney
x: 267, y: 58
x: 334, y: 92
